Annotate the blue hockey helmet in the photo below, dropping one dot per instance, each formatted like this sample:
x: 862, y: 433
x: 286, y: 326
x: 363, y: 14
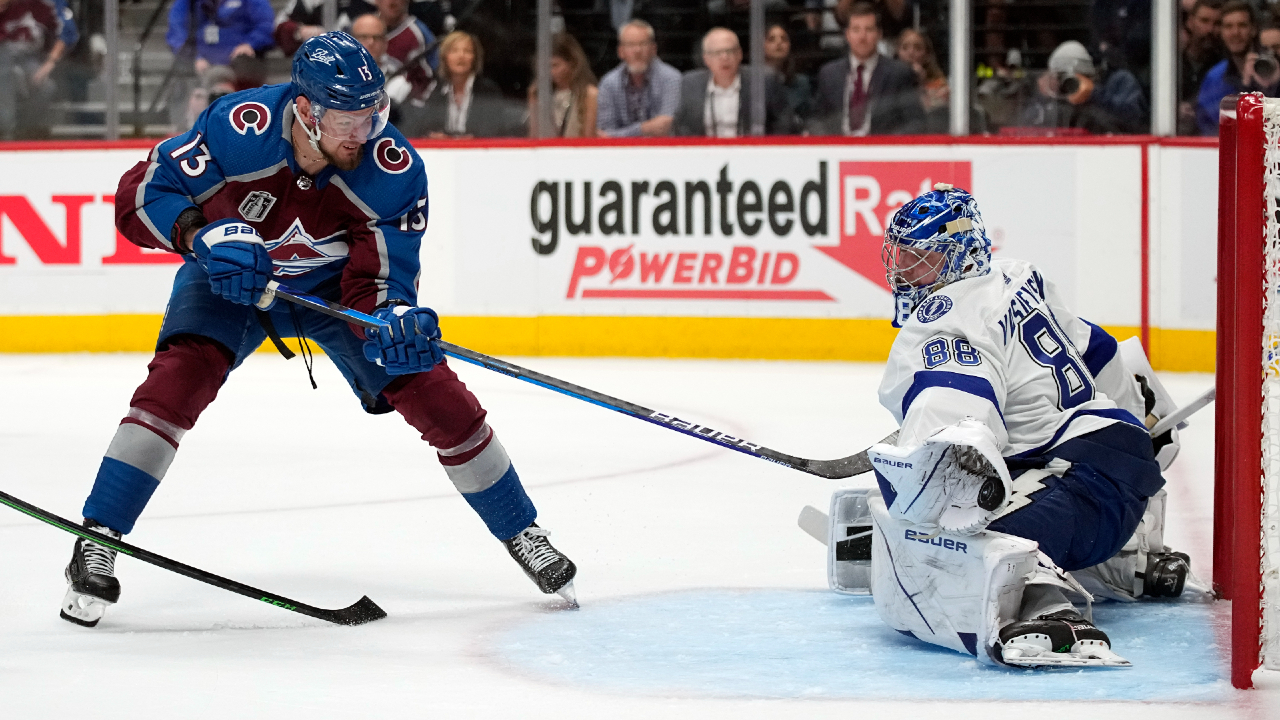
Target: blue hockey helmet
x: 336, y: 73
x: 936, y: 239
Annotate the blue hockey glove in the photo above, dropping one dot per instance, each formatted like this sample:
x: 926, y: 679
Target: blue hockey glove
x: 409, y: 344
x: 236, y: 259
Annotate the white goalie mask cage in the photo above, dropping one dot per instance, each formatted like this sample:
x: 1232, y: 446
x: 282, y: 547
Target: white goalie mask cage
x: 1246, y: 553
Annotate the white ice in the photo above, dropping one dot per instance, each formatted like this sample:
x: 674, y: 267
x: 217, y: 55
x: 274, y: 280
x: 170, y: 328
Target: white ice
x: 700, y: 596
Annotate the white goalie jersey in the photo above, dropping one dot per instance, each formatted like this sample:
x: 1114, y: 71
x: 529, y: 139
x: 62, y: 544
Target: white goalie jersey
x: 1003, y: 349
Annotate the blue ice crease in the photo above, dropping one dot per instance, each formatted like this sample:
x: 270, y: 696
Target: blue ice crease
x: 794, y: 643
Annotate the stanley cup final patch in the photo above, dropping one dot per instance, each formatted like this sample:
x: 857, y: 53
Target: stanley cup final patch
x: 256, y: 206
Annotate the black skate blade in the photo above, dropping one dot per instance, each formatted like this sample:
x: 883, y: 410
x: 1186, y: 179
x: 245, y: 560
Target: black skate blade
x: 82, y: 623
x: 363, y: 611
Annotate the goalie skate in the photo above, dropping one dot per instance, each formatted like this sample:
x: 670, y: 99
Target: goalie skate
x: 1062, y: 639
x: 92, y: 585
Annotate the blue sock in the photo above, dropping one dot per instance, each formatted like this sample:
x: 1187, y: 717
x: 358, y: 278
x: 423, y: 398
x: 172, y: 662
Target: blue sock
x: 119, y: 494
x: 504, y: 506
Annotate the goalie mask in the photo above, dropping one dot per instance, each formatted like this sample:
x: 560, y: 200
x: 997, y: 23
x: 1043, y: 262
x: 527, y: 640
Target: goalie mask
x: 932, y: 241
x: 345, y: 86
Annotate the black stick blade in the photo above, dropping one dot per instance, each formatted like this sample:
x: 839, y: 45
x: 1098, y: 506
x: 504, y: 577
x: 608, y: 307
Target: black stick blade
x: 363, y: 611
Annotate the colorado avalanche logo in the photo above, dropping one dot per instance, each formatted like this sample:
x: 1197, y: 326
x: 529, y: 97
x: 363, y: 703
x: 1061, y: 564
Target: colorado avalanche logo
x: 390, y: 158
x: 933, y: 308
x: 296, y: 252
x: 250, y: 116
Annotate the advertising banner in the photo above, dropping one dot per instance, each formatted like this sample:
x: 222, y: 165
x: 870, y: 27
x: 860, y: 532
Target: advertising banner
x: 765, y: 231
x: 680, y: 231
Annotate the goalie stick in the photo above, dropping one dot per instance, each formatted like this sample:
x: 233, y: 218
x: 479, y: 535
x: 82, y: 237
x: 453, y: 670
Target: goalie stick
x: 832, y: 469
x: 1178, y: 418
x: 363, y: 611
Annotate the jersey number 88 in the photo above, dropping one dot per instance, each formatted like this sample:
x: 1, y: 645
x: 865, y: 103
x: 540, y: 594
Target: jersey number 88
x: 1044, y: 342
x: 939, y: 351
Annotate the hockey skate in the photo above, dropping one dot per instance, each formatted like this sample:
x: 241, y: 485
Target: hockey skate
x: 1166, y: 574
x: 1058, y: 639
x: 91, y: 575
x: 545, y: 566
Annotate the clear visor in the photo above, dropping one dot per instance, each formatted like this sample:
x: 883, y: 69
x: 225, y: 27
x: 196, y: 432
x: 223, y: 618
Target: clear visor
x: 911, y: 267
x: 352, y: 125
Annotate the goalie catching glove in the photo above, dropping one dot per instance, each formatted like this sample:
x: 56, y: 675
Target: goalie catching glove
x: 236, y: 259
x: 407, y: 343
x: 956, y: 481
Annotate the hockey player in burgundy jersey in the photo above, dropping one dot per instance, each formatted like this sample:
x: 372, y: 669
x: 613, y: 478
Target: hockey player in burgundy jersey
x: 304, y: 182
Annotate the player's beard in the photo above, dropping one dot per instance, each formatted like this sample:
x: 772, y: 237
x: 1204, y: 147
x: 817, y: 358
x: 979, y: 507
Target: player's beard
x: 344, y: 165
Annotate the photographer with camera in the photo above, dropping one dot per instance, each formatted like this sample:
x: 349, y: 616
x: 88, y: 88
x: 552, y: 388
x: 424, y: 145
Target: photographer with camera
x: 1245, y: 68
x: 1200, y: 48
x: 1266, y: 66
x: 1073, y: 94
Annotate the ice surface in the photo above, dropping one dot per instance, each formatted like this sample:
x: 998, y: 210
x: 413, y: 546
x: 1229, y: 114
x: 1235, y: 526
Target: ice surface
x: 700, y: 597
x: 816, y: 644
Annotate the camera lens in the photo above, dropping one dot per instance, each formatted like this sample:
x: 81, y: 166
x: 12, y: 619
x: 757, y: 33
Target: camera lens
x: 1266, y: 65
x: 1069, y: 85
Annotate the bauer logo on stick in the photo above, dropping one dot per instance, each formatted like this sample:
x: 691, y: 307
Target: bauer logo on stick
x: 933, y: 308
x: 703, y: 431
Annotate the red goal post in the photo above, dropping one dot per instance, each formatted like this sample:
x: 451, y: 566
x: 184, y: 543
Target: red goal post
x: 1246, y: 533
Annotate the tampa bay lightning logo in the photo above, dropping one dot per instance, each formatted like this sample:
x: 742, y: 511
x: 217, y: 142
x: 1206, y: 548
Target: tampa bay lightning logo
x: 296, y: 252
x: 933, y: 308
x: 250, y: 116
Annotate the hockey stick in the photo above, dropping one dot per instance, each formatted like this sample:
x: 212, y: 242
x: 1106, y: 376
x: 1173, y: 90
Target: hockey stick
x: 1179, y: 416
x: 832, y: 469
x: 363, y: 611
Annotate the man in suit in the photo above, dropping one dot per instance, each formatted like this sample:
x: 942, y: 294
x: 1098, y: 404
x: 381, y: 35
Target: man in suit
x: 716, y: 102
x: 866, y: 93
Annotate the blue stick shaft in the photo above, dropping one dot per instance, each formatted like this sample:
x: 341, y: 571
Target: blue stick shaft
x: 839, y: 468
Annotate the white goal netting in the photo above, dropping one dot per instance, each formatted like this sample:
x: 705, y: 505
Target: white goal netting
x: 1269, y: 536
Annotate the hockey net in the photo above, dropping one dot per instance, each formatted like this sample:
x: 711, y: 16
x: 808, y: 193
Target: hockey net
x: 1269, y: 563
x: 1246, y: 556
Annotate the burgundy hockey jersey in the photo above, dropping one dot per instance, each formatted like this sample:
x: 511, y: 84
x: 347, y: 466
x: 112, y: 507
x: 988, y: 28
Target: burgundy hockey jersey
x: 362, y: 228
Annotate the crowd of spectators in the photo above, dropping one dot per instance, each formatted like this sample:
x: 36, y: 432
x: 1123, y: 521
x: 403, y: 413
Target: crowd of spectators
x: 831, y: 67
x: 1239, y: 52
x: 34, y: 36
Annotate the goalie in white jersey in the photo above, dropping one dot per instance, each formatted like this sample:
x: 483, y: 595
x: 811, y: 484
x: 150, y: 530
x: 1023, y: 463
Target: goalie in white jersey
x: 1019, y: 422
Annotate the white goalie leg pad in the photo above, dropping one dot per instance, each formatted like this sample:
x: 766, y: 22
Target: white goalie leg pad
x: 1119, y: 577
x: 940, y: 482
x: 948, y: 590
x: 1046, y: 573
x: 849, y: 541
x: 1122, y: 577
